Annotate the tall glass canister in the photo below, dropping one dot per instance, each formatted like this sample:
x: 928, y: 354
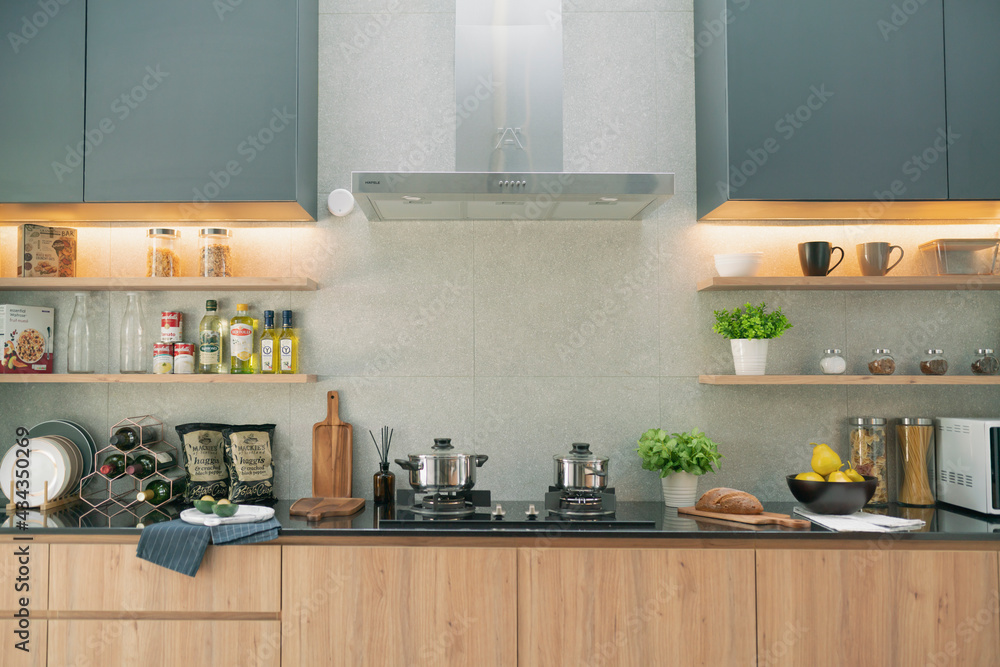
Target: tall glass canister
x: 867, y: 435
x: 915, y: 436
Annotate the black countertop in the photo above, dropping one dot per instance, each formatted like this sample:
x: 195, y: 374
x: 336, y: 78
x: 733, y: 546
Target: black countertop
x: 943, y: 523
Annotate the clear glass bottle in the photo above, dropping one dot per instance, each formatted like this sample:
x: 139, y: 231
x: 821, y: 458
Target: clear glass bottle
x: 241, y: 347
x: 270, y: 362
x: 161, y: 255
x: 132, y: 349
x: 934, y: 363
x: 832, y: 362
x: 289, y: 342
x: 211, y: 341
x: 867, y: 438
x: 78, y: 339
x: 985, y: 363
x: 882, y: 362
x: 215, y: 258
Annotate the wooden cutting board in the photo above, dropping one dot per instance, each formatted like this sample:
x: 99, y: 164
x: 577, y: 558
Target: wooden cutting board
x: 333, y: 444
x: 763, y: 518
x: 315, y: 509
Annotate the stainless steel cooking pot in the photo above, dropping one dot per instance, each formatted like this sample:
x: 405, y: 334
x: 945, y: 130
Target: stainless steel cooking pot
x: 581, y: 470
x: 443, y: 469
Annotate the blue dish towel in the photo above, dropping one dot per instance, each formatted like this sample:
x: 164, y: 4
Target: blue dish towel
x: 180, y: 546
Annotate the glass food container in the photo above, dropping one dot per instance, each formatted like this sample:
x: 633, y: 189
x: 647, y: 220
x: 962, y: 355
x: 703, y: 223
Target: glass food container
x: 161, y: 254
x: 915, y: 436
x: 867, y: 436
x: 215, y: 258
x: 832, y: 362
x: 882, y: 362
x: 934, y: 363
x: 985, y: 363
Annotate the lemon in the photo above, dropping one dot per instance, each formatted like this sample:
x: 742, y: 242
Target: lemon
x: 810, y: 477
x: 224, y: 501
x: 207, y: 498
x: 824, y: 459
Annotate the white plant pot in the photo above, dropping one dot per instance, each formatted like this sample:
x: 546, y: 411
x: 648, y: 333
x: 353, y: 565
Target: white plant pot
x: 680, y: 489
x: 749, y: 356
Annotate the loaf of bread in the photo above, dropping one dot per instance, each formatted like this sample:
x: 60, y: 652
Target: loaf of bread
x: 729, y: 501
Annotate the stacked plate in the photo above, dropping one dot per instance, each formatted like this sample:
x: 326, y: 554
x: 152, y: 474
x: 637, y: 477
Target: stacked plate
x: 60, y: 453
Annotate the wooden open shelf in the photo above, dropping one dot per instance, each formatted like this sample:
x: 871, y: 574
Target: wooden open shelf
x: 861, y: 283
x: 296, y: 284
x: 153, y: 378
x: 849, y: 379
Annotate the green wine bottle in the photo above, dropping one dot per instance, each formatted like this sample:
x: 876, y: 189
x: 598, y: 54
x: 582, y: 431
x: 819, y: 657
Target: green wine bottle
x: 155, y: 459
x: 113, y: 466
x: 159, y: 491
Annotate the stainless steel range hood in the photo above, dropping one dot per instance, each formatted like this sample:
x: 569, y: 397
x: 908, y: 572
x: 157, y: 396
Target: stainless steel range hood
x: 509, y: 141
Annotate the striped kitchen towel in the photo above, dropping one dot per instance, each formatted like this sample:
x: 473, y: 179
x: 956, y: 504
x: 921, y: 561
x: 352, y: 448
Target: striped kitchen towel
x: 180, y: 546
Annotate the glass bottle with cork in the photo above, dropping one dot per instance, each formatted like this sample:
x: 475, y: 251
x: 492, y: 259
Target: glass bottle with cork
x: 130, y: 437
x: 211, y: 341
x: 289, y: 345
x: 241, y: 348
x: 154, y: 459
x: 171, y: 484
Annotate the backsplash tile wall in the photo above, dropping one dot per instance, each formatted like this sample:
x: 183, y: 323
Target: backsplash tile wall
x: 518, y: 339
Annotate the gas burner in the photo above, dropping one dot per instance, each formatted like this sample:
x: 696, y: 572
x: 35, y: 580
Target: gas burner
x: 443, y: 506
x: 575, y: 505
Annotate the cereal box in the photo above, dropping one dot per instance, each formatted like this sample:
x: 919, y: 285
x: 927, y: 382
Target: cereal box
x: 28, y: 338
x: 46, y: 252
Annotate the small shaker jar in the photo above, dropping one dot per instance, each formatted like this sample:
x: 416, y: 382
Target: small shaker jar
x: 934, y: 363
x: 882, y: 362
x: 867, y: 436
x: 832, y: 362
x: 215, y: 258
x: 161, y: 254
x: 985, y: 363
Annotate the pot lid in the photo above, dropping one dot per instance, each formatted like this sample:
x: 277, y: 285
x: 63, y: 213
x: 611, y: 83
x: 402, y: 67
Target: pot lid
x: 580, y: 452
x: 442, y: 449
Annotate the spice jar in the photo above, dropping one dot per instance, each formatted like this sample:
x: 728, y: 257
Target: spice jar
x: 882, y: 362
x: 867, y: 436
x: 934, y: 363
x: 915, y: 436
x: 985, y: 363
x: 161, y: 255
x: 832, y: 363
x: 215, y: 259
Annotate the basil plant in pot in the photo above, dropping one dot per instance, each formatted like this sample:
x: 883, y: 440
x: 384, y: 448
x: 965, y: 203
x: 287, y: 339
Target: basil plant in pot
x: 680, y: 458
x: 749, y: 329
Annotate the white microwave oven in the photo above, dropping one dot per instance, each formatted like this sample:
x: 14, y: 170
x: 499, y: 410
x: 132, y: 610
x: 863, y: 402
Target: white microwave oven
x: 968, y: 463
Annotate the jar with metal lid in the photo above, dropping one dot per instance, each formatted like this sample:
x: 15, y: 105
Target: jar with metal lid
x: 934, y: 363
x: 882, y: 362
x: 161, y: 253
x: 867, y: 436
x: 915, y: 436
x: 985, y: 363
x: 215, y: 258
x: 832, y: 362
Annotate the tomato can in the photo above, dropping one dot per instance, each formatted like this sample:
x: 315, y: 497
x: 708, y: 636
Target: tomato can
x: 183, y: 357
x: 171, y: 324
x: 163, y: 357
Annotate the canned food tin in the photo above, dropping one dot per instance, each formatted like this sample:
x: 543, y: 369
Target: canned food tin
x: 163, y: 357
x: 171, y: 324
x: 183, y: 358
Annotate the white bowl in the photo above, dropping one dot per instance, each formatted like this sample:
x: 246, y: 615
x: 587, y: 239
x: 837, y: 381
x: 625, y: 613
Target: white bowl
x: 741, y: 264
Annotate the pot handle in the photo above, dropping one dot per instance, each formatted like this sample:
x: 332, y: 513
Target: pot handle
x: 481, y: 459
x: 598, y: 473
x: 408, y: 465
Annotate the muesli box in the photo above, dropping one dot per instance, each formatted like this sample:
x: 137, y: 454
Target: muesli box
x: 27, y: 334
x: 46, y: 252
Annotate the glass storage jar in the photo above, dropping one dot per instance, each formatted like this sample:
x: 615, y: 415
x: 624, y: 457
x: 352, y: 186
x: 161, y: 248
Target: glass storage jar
x: 934, y: 363
x: 215, y: 259
x: 832, y: 362
x: 985, y: 363
x: 915, y: 437
x: 882, y: 362
x: 867, y: 436
x: 161, y: 254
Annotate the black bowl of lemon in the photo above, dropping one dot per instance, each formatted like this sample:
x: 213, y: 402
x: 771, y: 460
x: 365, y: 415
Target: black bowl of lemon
x: 828, y: 489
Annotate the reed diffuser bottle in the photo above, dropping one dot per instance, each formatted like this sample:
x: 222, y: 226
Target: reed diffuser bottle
x: 384, y: 482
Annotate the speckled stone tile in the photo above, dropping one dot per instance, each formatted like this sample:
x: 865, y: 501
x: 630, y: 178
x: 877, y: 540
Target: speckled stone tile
x: 673, y: 84
x: 386, y: 6
x: 29, y: 404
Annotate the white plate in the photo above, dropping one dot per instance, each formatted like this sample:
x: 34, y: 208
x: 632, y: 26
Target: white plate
x: 245, y: 514
x: 47, y: 463
x: 75, y: 460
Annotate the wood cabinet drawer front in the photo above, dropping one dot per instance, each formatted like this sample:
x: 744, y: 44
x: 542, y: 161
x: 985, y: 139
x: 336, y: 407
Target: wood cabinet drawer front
x: 15, y: 575
x: 399, y: 606
x: 127, y: 643
x: 11, y: 656
x: 245, y: 578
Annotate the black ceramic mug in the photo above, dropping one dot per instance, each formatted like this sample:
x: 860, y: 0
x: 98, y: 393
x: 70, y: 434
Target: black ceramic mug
x: 814, y: 256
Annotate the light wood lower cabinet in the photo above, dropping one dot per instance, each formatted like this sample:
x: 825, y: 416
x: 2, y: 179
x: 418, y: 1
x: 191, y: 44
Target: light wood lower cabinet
x: 877, y: 607
x: 399, y: 606
x: 636, y: 607
x: 127, y: 643
x: 23, y: 579
x: 11, y: 656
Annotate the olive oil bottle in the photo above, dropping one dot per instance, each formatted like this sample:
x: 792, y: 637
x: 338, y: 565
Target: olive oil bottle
x: 289, y: 345
x: 241, y: 330
x: 211, y: 342
x: 269, y: 344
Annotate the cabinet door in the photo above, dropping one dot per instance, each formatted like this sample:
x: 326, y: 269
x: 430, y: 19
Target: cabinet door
x: 41, y: 103
x: 836, y: 100
x: 194, y: 101
x: 635, y: 607
x: 973, y: 75
x: 14, y: 652
x: 399, y: 606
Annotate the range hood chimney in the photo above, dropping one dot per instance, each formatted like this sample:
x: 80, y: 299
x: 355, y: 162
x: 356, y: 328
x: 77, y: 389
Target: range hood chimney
x: 509, y: 140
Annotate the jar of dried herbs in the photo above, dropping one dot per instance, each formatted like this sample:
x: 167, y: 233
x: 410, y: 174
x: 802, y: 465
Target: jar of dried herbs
x: 934, y: 363
x: 867, y: 436
x: 161, y: 253
x: 985, y: 363
x: 882, y: 362
x: 215, y: 259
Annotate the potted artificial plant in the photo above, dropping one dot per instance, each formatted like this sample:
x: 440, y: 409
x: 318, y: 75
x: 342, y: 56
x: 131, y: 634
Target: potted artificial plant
x: 680, y: 458
x: 748, y: 330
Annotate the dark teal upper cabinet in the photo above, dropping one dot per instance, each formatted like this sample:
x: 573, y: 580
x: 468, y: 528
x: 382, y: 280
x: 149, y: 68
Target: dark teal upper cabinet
x: 41, y: 100
x: 972, y: 30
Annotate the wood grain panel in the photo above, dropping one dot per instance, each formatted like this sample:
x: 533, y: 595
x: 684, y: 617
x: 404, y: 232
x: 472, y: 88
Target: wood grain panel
x: 35, y: 656
x: 845, y: 379
x: 399, y: 606
x: 164, y: 643
x: 823, y: 607
x: 85, y: 284
x: 946, y: 608
x: 38, y: 576
x: 635, y: 607
x: 156, y: 378
x: 112, y: 578
x: 860, y: 283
